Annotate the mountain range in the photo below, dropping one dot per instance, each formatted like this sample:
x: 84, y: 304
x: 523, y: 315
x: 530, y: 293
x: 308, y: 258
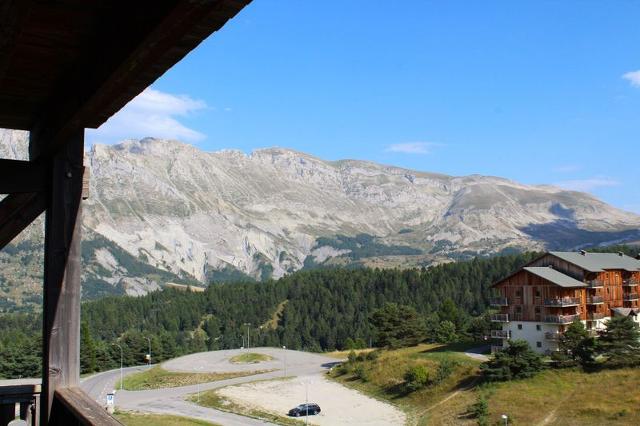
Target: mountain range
x: 162, y: 211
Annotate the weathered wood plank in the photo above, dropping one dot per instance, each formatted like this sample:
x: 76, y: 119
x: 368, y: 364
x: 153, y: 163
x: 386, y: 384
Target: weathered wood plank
x: 17, y: 211
x: 85, y: 411
x: 21, y: 176
x: 61, y: 311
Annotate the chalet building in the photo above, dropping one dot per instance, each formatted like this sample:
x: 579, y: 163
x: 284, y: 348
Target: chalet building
x: 538, y: 302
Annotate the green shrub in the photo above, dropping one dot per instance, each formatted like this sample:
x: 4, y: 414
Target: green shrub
x: 480, y: 411
x: 372, y: 356
x: 360, y: 372
x: 416, y: 378
x: 445, y: 369
x: 352, y: 356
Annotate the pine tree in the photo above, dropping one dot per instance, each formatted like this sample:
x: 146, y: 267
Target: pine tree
x: 87, y: 350
x: 517, y: 361
x: 398, y: 326
x: 620, y: 343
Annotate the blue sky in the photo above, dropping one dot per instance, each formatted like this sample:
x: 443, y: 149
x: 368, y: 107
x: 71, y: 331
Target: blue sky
x: 536, y: 91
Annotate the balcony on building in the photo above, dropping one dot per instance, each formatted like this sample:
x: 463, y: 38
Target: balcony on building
x: 500, y: 318
x: 496, y: 348
x: 593, y: 316
x: 499, y: 334
x: 561, y: 319
x: 595, y: 300
x: 594, y: 283
x: 562, y: 301
x: 553, y: 336
x: 498, y: 301
x: 627, y: 297
x: 630, y: 282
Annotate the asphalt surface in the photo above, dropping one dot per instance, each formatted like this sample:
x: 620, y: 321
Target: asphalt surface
x: 172, y: 400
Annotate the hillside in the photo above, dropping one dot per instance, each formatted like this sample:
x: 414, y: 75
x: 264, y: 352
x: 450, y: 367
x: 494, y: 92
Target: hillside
x: 227, y: 215
x: 560, y: 397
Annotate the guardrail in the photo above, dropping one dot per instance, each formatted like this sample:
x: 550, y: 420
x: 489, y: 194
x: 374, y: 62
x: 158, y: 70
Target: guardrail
x: 22, y: 400
x: 630, y: 296
x: 594, y: 283
x: 631, y: 282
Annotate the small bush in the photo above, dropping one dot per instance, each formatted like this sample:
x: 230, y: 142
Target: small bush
x: 480, y: 411
x: 416, y: 378
x: 445, y: 369
x: 360, y: 372
x: 372, y: 356
x: 352, y: 356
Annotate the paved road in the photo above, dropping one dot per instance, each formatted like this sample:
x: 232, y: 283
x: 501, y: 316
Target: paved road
x: 479, y: 353
x: 172, y: 400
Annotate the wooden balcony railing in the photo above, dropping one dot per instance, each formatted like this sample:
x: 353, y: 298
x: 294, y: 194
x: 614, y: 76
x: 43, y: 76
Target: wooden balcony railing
x: 561, y: 319
x: 630, y: 296
x: 562, y: 301
x: 499, y: 334
x: 595, y: 300
x: 71, y: 406
x: 500, y: 318
x: 19, y: 401
x: 499, y: 301
x: 631, y: 282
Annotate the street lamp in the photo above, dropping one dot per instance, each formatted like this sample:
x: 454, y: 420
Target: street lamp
x: 248, y: 324
x: 149, y: 354
x: 285, y: 360
x: 121, y: 377
x: 506, y: 419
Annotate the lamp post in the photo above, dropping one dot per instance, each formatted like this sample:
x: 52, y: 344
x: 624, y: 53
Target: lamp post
x: 284, y: 348
x: 248, y: 324
x: 149, y: 354
x: 121, y: 356
x: 306, y: 390
x: 506, y: 419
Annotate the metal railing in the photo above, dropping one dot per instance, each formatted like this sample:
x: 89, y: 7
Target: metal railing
x: 495, y: 348
x: 550, y: 335
x: 499, y: 301
x: 594, y: 283
x: 630, y: 296
x: 595, y: 315
x: 561, y: 319
x: 499, y: 334
x: 500, y: 318
x: 593, y: 300
x: 631, y: 282
x: 562, y: 301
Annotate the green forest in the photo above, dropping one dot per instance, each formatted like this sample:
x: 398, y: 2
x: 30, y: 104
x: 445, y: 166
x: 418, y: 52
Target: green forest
x: 313, y: 310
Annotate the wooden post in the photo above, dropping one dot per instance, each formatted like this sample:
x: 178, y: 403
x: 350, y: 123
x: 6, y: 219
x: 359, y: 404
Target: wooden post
x: 61, y: 311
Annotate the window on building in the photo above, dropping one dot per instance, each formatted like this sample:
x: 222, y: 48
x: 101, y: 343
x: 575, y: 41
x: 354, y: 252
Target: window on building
x: 519, y: 326
x: 538, y: 344
x: 537, y: 293
x: 518, y: 293
x: 538, y: 327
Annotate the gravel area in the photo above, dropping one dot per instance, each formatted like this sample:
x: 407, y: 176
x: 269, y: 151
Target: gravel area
x: 340, y: 405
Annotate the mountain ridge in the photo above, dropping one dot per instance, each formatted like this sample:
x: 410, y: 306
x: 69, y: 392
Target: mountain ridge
x: 210, y: 215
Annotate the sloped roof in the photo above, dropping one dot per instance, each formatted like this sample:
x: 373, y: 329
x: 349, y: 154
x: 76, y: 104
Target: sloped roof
x: 554, y: 276
x: 598, y: 262
x: 625, y: 312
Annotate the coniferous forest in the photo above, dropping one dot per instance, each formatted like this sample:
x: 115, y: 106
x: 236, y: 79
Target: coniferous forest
x: 315, y: 310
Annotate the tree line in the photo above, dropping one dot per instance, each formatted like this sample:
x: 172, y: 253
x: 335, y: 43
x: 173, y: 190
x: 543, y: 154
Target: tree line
x: 325, y: 309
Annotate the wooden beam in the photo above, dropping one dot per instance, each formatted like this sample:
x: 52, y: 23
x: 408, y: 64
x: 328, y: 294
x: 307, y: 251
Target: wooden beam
x: 61, y: 311
x: 21, y: 176
x: 132, y: 55
x: 17, y: 211
x: 80, y: 409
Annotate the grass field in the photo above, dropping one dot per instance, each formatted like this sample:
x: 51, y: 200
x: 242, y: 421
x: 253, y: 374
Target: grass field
x: 142, y: 419
x: 250, y: 358
x: 157, y: 378
x: 553, y: 397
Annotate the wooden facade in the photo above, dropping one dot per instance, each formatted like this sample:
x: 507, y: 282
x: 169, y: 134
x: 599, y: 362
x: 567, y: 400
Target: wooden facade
x: 65, y: 66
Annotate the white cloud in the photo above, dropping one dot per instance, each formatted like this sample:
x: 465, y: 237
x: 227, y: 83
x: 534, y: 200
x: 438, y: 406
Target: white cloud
x: 589, y: 184
x: 633, y: 77
x: 152, y: 113
x: 412, y: 147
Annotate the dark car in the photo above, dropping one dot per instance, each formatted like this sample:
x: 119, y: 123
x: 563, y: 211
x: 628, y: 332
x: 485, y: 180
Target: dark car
x: 303, y: 409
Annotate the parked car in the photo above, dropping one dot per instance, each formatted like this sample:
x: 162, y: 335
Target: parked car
x: 303, y: 409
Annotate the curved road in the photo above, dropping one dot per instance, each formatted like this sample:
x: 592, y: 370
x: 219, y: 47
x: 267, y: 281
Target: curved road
x: 172, y: 400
